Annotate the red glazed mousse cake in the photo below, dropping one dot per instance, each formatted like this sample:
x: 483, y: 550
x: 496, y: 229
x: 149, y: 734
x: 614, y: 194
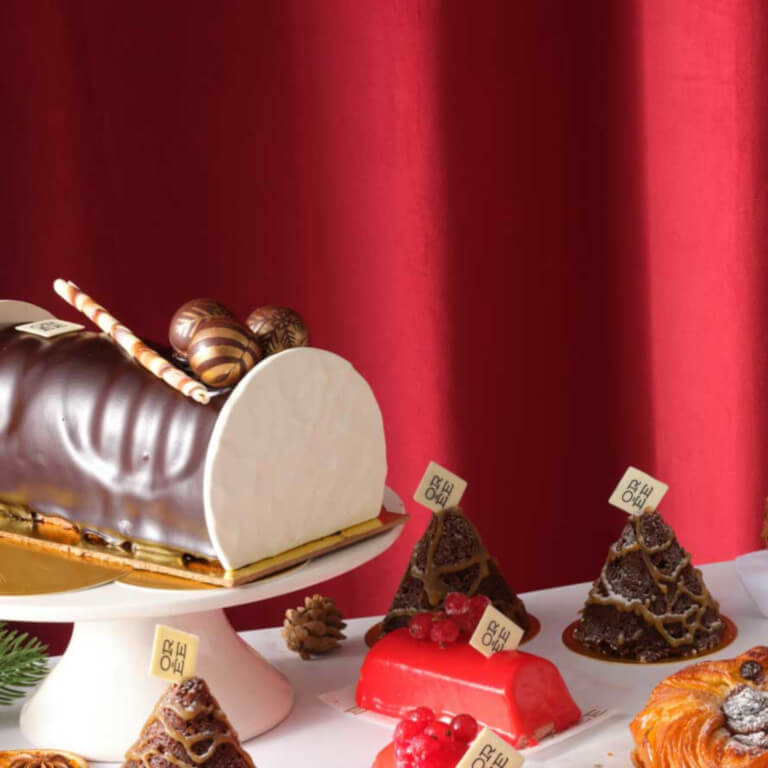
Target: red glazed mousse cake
x: 519, y: 695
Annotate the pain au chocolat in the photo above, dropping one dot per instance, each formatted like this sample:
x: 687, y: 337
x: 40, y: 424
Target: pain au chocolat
x: 97, y: 453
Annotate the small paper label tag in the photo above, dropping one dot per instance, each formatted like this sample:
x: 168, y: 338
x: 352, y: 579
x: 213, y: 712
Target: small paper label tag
x: 637, y: 491
x: 49, y: 328
x: 495, y: 632
x: 174, y: 654
x: 439, y: 488
x: 489, y: 750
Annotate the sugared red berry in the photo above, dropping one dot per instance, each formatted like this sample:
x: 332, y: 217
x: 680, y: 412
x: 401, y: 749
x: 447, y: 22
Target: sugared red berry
x: 419, y: 625
x: 464, y: 728
x: 420, y: 715
x: 467, y: 625
x: 403, y: 751
x: 446, y: 756
x: 439, y: 730
x: 424, y: 747
x: 407, y: 729
x: 477, y: 606
x: 478, y: 603
x: 456, y: 603
x: 444, y: 632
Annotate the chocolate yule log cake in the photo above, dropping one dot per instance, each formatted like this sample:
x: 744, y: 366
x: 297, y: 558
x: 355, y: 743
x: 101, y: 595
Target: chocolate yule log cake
x: 99, y: 453
x: 451, y: 557
x: 649, y: 603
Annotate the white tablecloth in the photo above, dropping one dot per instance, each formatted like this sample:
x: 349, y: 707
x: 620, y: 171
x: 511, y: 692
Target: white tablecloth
x: 330, y: 739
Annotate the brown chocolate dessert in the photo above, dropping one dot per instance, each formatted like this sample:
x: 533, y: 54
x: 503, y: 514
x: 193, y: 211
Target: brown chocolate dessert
x: 187, y: 727
x: 450, y: 557
x: 649, y: 602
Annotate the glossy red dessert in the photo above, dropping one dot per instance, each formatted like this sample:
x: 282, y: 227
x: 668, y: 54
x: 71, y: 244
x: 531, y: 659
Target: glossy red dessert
x: 519, y: 695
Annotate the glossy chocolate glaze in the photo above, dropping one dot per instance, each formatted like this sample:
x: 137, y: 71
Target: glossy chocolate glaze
x: 87, y: 434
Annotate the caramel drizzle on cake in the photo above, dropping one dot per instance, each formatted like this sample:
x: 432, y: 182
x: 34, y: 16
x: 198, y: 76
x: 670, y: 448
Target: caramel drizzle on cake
x: 671, y: 585
x: 450, y: 556
x: 187, y: 716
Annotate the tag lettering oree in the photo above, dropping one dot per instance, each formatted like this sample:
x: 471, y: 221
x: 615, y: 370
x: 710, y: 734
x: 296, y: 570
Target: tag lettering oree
x: 174, y: 654
x: 439, y: 488
x: 637, y: 491
x: 489, y: 750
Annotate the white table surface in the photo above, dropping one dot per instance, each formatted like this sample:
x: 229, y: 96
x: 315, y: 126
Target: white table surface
x: 334, y: 740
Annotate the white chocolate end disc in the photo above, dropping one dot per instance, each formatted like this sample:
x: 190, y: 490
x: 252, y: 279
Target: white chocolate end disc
x: 18, y: 312
x: 297, y: 453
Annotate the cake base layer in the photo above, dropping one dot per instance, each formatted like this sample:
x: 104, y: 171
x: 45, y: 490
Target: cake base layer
x: 171, y: 562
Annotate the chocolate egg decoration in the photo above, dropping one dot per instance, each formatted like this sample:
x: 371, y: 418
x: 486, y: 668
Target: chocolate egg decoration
x: 278, y: 328
x: 222, y: 351
x: 186, y: 319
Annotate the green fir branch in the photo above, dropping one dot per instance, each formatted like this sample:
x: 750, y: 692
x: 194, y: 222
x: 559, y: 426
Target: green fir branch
x: 23, y: 663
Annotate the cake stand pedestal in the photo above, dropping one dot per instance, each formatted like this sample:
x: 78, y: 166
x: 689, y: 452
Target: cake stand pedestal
x: 96, y: 699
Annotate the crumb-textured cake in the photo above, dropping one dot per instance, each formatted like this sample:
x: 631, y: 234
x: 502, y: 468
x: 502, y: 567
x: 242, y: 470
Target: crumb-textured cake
x: 187, y: 728
x: 649, y: 603
x: 451, y: 557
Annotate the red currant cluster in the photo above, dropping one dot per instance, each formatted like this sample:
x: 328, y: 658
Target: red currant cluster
x: 456, y: 622
x: 423, y: 741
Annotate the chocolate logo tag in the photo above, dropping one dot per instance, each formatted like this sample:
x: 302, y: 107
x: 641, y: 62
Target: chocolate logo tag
x: 174, y: 654
x: 637, y: 491
x: 495, y: 632
x: 489, y: 750
x: 439, y: 488
x: 47, y: 329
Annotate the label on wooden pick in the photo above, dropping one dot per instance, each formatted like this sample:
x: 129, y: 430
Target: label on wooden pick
x: 489, y: 750
x: 439, y: 488
x: 49, y: 328
x: 637, y: 491
x: 174, y: 654
x: 495, y: 632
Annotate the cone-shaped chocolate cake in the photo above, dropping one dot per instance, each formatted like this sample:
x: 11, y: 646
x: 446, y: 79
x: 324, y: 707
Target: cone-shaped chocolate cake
x: 649, y: 602
x: 187, y: 727
x: 450, y: 557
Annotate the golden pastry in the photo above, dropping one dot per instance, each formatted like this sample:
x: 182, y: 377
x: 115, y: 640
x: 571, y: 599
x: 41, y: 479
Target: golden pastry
x: 713, y: 714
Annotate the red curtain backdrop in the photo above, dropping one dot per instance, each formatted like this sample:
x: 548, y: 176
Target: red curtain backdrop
x: 537, y: 228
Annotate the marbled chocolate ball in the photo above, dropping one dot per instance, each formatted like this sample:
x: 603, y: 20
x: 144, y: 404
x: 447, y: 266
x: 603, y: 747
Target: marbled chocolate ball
x: 278, y: 328
x: 222, y: 351
x: 186, y: 319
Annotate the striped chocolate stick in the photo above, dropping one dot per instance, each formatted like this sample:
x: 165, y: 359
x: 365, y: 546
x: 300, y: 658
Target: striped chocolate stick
x: 132, y: 344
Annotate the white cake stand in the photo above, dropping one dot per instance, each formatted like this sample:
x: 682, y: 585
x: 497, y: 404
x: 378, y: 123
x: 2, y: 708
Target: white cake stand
x: 96, y: 699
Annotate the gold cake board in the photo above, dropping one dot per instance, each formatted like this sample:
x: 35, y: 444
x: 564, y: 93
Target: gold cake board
x: 37, y: 566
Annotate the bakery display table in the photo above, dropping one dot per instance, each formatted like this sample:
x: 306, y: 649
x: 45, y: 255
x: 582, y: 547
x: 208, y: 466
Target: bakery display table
x: 314, y: 731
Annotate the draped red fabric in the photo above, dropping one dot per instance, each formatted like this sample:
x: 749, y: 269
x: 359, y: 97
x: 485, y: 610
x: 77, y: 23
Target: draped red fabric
x: 537, y: 228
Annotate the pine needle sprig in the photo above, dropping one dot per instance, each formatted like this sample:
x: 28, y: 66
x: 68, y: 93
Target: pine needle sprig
x: 23, y: 663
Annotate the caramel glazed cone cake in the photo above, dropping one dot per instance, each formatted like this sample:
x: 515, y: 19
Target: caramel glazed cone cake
x: 649, y: 603
x: 450, y: 557
x: 187, y: 727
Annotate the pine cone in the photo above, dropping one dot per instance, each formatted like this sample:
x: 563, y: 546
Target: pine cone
x: 314, y: 627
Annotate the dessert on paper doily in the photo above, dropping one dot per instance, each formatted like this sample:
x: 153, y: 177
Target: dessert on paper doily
x: 649, y: 603
x: 517, y: 694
